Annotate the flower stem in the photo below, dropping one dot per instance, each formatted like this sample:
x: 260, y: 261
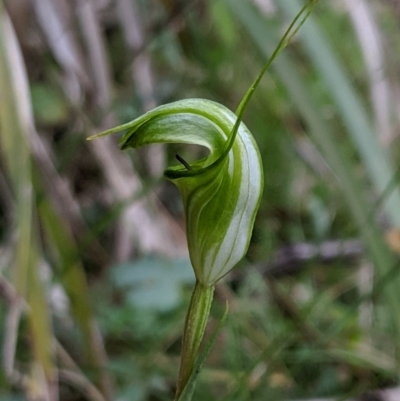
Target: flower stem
x: 195, y: 324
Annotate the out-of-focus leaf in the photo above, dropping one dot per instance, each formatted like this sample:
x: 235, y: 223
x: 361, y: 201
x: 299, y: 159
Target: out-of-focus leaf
x: 48, y: 105
x: 153, y: 282
x: 223, y: 23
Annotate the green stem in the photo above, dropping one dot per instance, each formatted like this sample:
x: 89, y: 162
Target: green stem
x: 293, y: 28
x: 195, y: 325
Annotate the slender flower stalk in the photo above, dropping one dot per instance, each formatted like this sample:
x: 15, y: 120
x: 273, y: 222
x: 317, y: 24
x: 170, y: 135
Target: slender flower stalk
x: 195, y: 324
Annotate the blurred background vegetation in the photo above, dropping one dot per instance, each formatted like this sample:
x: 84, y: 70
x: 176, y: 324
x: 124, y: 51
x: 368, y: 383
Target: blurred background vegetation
x: 94, y: 275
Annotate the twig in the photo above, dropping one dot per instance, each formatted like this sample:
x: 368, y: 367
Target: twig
x: 16, y: 306
x: 79, y: 381
x: 73, y: 375
x: 290, y: 259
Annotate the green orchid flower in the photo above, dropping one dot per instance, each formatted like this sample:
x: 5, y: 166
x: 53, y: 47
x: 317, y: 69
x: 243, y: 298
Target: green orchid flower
x: 221, y: 193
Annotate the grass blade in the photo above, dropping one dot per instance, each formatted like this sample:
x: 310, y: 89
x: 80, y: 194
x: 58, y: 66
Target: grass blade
x: 351, y: 109
x: 15, y: 123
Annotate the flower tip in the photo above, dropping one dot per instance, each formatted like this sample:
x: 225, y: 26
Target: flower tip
x: 95, y: 136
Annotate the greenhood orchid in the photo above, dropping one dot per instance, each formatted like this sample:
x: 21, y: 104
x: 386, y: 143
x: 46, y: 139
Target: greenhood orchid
x: 221, y: 193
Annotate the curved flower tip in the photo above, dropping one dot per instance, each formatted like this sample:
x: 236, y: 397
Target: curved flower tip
x: 221, y: 193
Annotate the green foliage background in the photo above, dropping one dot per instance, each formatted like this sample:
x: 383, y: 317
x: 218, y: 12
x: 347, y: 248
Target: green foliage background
x: 94, y: 274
